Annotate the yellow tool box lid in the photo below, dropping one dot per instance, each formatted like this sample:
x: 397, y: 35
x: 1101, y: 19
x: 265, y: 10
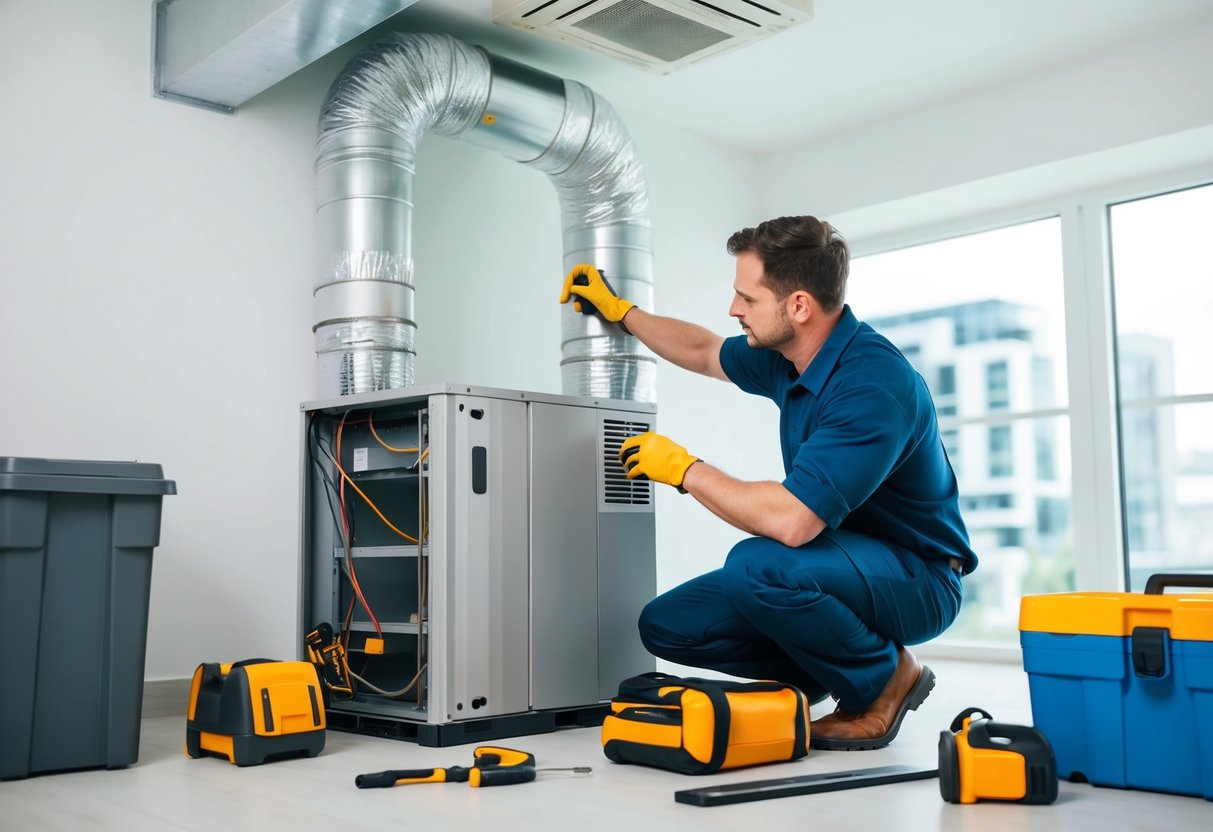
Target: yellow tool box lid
x: 1187, y: 616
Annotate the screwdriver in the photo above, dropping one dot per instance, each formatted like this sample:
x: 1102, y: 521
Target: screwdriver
x: 494, y: 766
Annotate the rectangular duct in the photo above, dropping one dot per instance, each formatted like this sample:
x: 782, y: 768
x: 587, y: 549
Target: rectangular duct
x: 220, y: 53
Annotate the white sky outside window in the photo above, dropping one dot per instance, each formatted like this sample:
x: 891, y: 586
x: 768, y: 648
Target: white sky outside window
x: 1163, y: 277
x: 1019, y: 264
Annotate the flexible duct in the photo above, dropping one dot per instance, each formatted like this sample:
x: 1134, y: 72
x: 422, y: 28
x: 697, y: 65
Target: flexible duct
x: 375, y: 115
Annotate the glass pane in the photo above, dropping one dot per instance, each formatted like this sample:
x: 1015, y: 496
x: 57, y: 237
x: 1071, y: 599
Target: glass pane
x: 991, y: 297
x: 981, y: 318
x: 1163, y: 278
x: 1020, y: 525
x: 1163, y: 283
x: 1168, y: 481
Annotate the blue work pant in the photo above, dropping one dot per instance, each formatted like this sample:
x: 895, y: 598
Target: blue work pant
x: 827, y: 616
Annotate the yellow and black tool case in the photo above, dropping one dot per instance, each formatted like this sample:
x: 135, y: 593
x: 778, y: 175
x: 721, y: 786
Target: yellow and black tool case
x: 255, y: 711
x: 699, y: 726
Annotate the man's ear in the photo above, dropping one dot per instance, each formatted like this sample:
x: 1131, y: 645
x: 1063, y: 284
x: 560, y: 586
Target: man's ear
x: 800, y: 306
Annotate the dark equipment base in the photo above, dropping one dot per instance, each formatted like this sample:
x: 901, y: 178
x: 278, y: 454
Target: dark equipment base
x: 460, y: 733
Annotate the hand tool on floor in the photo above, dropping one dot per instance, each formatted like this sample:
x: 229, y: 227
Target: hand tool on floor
x: 807, y: 784
x: 494, y: 766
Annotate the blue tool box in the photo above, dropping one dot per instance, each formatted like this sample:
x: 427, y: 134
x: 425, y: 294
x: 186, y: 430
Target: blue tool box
x: 1122, y: 684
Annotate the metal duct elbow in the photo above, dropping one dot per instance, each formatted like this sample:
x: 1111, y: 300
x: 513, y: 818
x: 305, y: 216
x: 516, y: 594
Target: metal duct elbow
x: 374, y: 117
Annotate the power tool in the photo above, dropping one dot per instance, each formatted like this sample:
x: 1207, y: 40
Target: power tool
x: 980, y: 759
x: 325, y: 650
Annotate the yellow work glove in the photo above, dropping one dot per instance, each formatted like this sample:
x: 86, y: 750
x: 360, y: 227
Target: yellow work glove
x: 592, y: 295
x: 656, y: 457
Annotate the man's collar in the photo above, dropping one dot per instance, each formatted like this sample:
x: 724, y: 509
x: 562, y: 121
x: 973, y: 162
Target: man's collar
x: 814, y: 376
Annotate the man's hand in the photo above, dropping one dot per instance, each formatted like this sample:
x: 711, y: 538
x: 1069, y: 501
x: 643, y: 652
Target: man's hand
x: 657, y: 457
x: 591, y: 289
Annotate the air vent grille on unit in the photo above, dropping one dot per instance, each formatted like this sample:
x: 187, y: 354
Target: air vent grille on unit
x: 658, y: 35
x: 617, y: 489
x: 654, y: 31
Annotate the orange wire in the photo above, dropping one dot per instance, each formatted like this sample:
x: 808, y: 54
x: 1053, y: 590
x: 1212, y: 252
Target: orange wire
x: 349, y: 540
x: 370, y: 420
x: 372, y: 505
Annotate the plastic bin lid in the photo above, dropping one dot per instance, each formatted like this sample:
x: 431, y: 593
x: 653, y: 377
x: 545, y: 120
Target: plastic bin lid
x: 1187, y: 616
x: 80, y: 475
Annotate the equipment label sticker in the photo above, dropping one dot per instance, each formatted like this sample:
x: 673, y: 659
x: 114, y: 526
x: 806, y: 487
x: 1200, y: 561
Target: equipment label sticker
x: 360, y: 459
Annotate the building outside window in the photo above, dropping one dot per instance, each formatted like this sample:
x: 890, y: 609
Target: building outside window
x: 998, y: 394
x: 1000, y: 456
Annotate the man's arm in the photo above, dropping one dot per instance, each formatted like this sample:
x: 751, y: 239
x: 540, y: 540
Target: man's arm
x: 766, y: 509
x: 688, y: 345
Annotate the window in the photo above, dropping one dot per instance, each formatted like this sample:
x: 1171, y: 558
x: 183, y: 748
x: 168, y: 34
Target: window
x: 1163, y: 295
x: 945, y: 391
x: 985, y: 315
x: 1001, y: 459
x: 998, y: 394
x: 951, y: 444
x: 1046, y: 451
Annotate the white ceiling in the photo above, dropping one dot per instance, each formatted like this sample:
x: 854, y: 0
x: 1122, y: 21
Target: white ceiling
x: 856, y: 62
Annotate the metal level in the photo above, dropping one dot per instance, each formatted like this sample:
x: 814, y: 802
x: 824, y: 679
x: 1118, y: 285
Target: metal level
x: 808, y: 784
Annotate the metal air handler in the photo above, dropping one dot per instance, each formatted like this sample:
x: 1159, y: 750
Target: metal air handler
x: 510, y: 588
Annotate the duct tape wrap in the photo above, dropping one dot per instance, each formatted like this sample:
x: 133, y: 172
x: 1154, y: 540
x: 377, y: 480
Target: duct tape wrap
x: 363, y: 355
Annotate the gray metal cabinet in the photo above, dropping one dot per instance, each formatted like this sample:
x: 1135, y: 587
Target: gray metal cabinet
x: 502, y: 551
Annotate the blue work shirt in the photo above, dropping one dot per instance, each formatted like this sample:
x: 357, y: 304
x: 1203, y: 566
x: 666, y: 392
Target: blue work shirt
x: 861, y: 445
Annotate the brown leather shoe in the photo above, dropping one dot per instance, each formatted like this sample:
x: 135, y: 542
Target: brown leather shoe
x: 877, y: 726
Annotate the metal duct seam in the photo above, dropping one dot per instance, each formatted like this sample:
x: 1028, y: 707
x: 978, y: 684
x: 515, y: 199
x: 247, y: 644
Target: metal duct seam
x: 375, y: 115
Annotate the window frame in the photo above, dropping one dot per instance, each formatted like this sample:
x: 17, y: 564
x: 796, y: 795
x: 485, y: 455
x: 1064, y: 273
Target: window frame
x: 1100, y: 546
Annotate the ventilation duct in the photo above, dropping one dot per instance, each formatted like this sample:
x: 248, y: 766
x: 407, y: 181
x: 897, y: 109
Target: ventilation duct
x: 374, y: 117
x: 657, y: 35
x: 220, y: 53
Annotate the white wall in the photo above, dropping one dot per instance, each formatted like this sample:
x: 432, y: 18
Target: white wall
x: 1138, y: 110
x: 155, y: 303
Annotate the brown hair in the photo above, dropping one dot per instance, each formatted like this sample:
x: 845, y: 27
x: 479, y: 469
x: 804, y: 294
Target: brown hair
x: 799, y: 253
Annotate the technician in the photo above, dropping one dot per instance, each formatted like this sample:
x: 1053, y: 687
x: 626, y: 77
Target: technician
x: 860, y: 550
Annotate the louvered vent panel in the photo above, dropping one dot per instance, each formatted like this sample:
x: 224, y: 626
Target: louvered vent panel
x: 654, y: 31
x: 617, y: 489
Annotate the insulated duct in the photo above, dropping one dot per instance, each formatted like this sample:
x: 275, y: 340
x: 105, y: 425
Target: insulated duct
x: 375, y: 115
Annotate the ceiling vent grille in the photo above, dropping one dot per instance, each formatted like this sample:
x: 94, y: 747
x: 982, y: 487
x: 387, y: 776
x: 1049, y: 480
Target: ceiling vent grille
x: 617, y: 489
x: 657, y: 35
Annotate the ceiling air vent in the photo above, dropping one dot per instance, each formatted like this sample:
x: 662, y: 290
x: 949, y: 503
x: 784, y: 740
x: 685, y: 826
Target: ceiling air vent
x: 658, y: 35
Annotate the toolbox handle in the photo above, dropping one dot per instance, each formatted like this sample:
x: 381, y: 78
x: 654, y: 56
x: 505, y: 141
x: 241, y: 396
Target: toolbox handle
x: 1156, y: 583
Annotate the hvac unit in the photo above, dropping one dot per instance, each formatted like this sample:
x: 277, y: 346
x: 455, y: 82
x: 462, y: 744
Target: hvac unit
x: 657, y: 35
x: 492, y: 534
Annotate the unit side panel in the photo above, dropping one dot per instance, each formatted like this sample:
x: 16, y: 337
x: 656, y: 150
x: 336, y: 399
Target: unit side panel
x: 487, y: 580
x: 564, y: 556
x: 627, y: 556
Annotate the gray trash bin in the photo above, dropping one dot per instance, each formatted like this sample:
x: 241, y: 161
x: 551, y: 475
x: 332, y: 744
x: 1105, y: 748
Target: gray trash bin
x: 76, y: 540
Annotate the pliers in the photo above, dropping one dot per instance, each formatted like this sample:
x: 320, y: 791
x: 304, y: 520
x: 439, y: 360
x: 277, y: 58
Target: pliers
x: 494, y: 766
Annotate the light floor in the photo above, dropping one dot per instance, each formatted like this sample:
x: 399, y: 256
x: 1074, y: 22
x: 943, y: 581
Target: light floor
x: 166, y: 790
